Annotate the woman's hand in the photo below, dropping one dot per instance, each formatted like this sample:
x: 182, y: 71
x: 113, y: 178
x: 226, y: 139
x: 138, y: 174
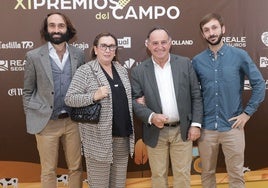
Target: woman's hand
x: 101, y: 93
x: 141, y: 100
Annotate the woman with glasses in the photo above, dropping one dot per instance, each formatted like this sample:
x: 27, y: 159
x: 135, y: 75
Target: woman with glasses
x: 107, y: 144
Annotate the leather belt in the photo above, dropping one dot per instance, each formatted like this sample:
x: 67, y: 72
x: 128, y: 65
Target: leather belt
x: 63, y: 115
x: 172, y: 124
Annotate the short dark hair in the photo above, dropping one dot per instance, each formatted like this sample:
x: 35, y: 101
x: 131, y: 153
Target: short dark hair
x: 210, y: 17
x: 157, y: 28
x: 70, y: 28
x: 96, y: 42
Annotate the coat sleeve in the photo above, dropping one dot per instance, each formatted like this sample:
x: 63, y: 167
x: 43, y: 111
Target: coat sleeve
x: 141, y: 111
x: 30, y: 82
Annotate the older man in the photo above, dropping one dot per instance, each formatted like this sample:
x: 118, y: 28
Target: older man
x: 172, y: 113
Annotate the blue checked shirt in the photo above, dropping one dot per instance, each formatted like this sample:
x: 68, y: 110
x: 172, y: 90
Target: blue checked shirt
x: 222, y: 83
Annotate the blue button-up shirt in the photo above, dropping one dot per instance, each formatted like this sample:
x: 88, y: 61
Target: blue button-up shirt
x: 222, y: 83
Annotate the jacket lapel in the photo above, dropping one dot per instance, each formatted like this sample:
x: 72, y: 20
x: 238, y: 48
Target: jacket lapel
x: 176, y: 72
x: 45, y: 61
x: 99, y: 73
x: 73, y: 58
x: 152, y: 81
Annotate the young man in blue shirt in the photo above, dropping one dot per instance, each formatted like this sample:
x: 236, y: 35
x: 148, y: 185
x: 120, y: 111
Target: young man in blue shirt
x: 221, y: 70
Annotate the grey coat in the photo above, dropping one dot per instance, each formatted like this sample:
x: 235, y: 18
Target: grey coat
x: 97, y: 138
x: 38, y: 90
x: 187, y: 91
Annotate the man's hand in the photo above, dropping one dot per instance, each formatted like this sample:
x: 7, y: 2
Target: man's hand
x: 194, y: 133
x: 240, y: 120
x: 159, y: 120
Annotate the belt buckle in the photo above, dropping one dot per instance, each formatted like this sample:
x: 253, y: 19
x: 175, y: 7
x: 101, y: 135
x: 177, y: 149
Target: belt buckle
x: 175, y: 124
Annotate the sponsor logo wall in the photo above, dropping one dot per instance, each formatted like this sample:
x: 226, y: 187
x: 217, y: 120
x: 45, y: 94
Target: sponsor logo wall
x: 130, y: 21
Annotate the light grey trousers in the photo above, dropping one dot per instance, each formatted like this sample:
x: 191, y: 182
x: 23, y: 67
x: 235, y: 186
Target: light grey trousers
x: 107, y: 175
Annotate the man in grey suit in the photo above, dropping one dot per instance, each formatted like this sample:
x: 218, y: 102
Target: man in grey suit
x: 171, y: 109
x: 48, y: 73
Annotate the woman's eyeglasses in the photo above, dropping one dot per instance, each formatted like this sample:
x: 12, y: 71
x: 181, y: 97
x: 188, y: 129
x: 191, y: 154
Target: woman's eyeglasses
x: 104, y: 47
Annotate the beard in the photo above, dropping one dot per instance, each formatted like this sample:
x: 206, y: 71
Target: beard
x: 217, y: 41
x: 63, y: 37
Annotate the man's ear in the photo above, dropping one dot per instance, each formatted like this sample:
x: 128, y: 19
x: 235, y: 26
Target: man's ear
x: 202, y: 34
x: 146, y: 43
x: 223, y: 29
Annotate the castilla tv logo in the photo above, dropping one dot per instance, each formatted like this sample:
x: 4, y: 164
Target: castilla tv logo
x: 108, y: 9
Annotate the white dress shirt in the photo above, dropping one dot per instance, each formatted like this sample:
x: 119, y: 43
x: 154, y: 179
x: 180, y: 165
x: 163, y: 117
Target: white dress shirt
x: 166, y: 91
x: 53, y: 54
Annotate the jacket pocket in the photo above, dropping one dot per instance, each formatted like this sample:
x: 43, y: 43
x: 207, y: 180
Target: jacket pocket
x: 34, y: 105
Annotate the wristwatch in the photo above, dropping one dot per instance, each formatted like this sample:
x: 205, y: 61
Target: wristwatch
x: 246, y: 113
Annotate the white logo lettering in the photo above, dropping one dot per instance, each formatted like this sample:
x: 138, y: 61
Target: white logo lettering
x: 264, y: 38
x: 15, y: 92
x: 263, y: 62
x: 117, y: 8
x: 124, y: 42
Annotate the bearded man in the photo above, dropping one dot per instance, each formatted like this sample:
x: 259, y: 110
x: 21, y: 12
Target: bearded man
x: 221, y: 70
x: 48, y: 73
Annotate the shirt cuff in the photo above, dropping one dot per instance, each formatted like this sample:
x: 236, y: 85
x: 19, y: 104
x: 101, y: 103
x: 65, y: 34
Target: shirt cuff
x: 150, y: 118
x: 194, y: 124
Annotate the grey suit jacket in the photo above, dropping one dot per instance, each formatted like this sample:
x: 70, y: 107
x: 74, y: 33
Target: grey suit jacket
x: 38, y: 91
x: 187, y: 91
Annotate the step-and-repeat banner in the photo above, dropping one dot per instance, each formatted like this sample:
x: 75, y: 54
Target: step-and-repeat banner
x: 130, y: 20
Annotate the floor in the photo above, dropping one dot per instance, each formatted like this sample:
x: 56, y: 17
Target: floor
x: 254, y: 179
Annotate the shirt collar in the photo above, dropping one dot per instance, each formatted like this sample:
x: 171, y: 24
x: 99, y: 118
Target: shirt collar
x: 221, y: 51
x: 51, y: 47
x: 167, y: 63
